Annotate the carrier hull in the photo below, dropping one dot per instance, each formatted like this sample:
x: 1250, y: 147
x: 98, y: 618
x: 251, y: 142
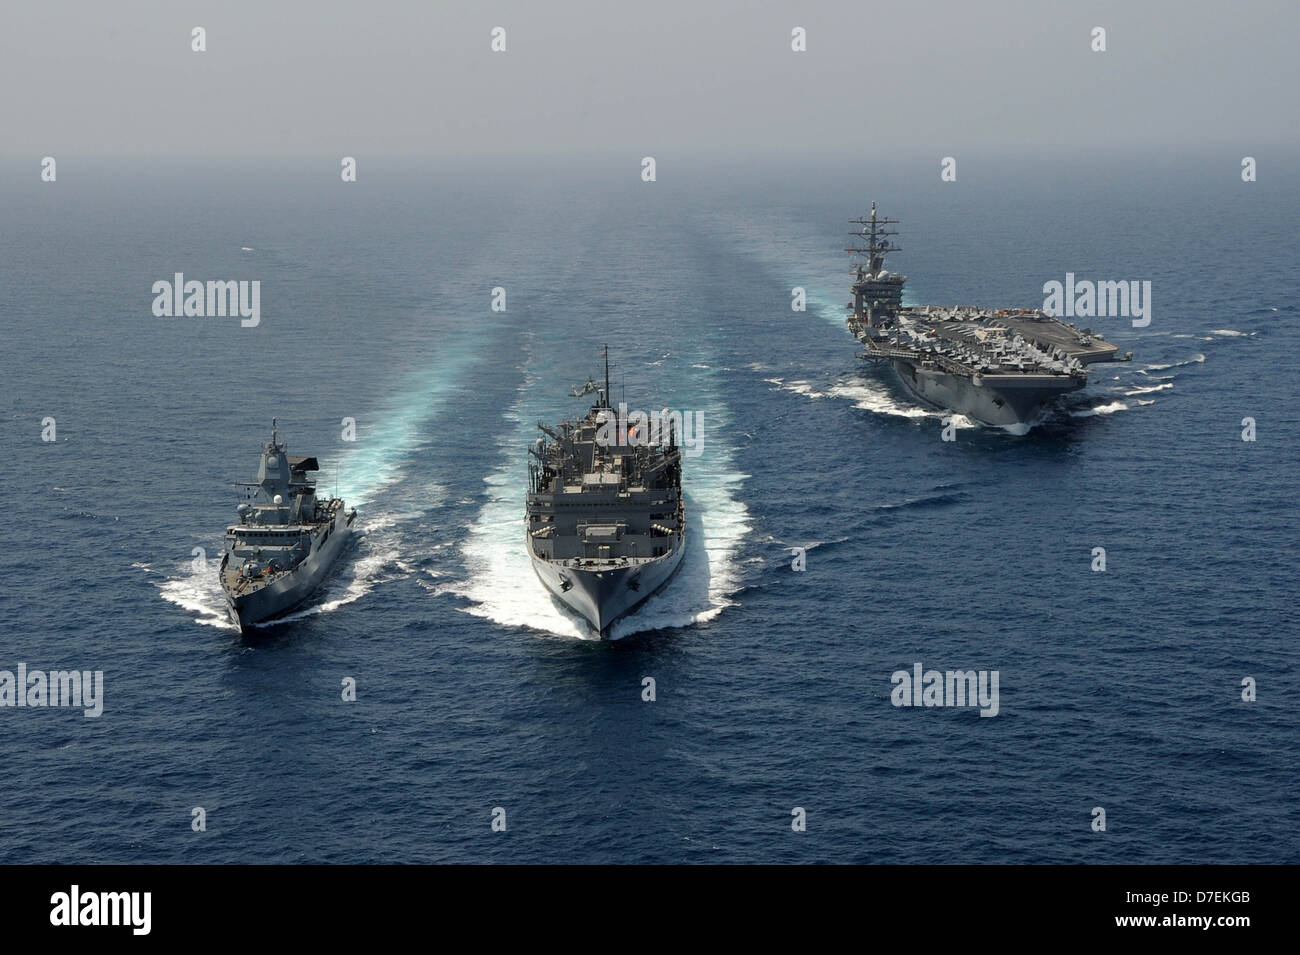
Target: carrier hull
x: 1001, y: 400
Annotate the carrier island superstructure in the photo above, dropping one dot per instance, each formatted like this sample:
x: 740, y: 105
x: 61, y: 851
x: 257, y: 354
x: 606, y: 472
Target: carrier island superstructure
x: 995, y: 367
x: 605, y: 525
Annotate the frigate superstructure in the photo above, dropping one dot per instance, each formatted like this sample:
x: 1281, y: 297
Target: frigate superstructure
x: 286, y: 539
x: 997, y: 367
x: 604, y: 520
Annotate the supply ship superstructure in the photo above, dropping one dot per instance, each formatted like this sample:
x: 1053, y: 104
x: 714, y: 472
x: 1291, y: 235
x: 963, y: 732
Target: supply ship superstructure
x: 605, y: 519
x: 995, y: 367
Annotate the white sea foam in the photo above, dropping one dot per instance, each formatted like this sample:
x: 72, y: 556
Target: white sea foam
x: 874, y: 396
x: 1197, y: 359
x: 199, y: 593
x: 1147, y: 391
x: 357, y: 576
x: 1109, y: 408
x: 1229, y: 332
x: 378, y: 460
x: 500, y: 584
x: 827, y: 309
x: 796, y: 387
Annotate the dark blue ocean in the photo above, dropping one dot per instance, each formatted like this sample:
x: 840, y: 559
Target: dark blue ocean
x: 1119, y: 689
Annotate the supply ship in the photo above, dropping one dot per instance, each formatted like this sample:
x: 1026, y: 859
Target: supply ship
x: 286, y: 540
x: 995, y: 367
x: 605, y: 522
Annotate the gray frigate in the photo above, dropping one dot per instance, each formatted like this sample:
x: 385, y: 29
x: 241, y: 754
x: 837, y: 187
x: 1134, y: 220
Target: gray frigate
x: 995, y: 367
x: 604, y: 519
x: 286, y: 540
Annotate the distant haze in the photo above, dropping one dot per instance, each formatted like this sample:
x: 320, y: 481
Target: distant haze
x: 658, y: 78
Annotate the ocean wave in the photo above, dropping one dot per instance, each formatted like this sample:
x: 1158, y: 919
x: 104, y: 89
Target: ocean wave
x: 807, y: 547
x: 1197, y: 359
x: 374, y: 559
x: 920, y: 503
x: 1108, y: 408
x: 875, y: 397
x: 1145, y: 391
x: 796, y: 387
x: 198, y: 592
x: 389, y: 440
x: 1022, y: 428
x: 73, y: 515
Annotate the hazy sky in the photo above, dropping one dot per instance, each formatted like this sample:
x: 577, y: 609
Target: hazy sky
x: 657, y: 78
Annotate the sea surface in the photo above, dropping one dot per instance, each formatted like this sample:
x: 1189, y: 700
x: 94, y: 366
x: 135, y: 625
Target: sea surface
x: 1119, y: 689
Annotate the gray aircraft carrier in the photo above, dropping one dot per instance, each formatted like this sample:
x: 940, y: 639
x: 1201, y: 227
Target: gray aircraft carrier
x: 604, y: 518
x: 995, y: 367
x: 285, y: 542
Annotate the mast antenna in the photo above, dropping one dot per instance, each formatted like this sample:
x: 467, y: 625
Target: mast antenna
x: 875, y: 232
x: 606, y: 374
